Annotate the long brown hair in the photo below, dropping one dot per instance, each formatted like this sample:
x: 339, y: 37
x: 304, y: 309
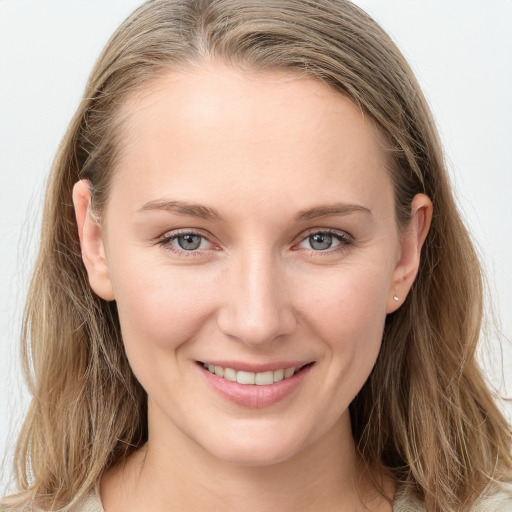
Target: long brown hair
x: 425, y: 413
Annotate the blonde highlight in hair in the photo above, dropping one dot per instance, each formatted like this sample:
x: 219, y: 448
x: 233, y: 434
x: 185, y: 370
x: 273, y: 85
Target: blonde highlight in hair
x: 425, y: 413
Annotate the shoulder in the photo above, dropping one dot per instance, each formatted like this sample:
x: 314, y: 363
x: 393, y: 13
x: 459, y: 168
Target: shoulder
x: 497, y: 498
x: 406, y: 502
x: 89, y: 503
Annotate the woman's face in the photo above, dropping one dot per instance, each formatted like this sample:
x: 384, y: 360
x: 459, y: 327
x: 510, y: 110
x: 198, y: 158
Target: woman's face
x: 251, y: 228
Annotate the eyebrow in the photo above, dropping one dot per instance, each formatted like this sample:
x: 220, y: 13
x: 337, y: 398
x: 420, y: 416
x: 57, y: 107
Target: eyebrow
x: 334, y: 209
x: 208, y: 213
x: 183, y: 208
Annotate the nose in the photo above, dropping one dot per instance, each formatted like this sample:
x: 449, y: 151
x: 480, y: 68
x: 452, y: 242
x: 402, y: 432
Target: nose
x: 257, y: 308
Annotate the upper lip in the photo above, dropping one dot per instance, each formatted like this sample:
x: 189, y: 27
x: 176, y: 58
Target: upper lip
x: 257, y: 367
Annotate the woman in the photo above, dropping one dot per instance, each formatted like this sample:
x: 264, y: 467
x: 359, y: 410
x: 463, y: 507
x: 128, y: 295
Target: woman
x: 262, y: 294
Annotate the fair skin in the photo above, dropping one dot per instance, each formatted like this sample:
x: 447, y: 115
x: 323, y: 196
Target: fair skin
x: 250, y: 225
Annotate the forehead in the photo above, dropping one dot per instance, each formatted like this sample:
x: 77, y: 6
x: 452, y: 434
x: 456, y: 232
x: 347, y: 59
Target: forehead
x: 279, y: 134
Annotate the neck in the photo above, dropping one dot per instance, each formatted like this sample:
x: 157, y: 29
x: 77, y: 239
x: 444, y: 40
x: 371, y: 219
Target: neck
x: 172, y: 472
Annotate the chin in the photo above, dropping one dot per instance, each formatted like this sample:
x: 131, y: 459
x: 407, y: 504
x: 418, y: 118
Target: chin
x: 253, y: 450
x: 257, y: 457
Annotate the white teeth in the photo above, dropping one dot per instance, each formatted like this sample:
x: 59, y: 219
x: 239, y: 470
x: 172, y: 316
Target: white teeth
x: 258, y: 378
x: 245, y: 377
x: 229, y: 374
x: 289, y: 372
x: 278, y: 375
x: 264, y: 378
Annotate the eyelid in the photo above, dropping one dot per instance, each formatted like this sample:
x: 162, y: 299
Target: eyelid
x: 166, y: 239
x: 330, y: 231
x: 344, y: 238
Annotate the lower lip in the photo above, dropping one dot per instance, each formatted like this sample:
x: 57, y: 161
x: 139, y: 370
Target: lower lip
x: 252, y: 395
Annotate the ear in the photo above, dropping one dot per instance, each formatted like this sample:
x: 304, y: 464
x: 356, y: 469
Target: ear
x: 91, y: 242
x: 411, y: 241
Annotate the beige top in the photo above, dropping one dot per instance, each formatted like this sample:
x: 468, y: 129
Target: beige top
x: 500, y: 501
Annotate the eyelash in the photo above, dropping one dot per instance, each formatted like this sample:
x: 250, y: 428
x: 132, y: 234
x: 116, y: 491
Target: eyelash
x: 167, y: 239
x: 343, y: 238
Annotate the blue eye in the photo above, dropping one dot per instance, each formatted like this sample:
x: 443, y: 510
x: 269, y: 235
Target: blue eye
x: 187, y: 241
x: 321, y: 241
x: 324, y: 240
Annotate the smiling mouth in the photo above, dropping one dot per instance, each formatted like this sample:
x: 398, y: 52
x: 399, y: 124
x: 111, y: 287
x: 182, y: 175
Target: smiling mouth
x: 254, y: 378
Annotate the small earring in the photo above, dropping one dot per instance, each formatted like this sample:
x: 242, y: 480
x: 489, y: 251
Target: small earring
x: 395, y: 298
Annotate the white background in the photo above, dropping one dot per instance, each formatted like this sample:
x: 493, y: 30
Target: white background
x: 461, y: 51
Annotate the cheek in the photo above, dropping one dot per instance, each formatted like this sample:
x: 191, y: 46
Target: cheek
x: 159, y: 305
x: 347, y: 299
x: 348, y: 312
